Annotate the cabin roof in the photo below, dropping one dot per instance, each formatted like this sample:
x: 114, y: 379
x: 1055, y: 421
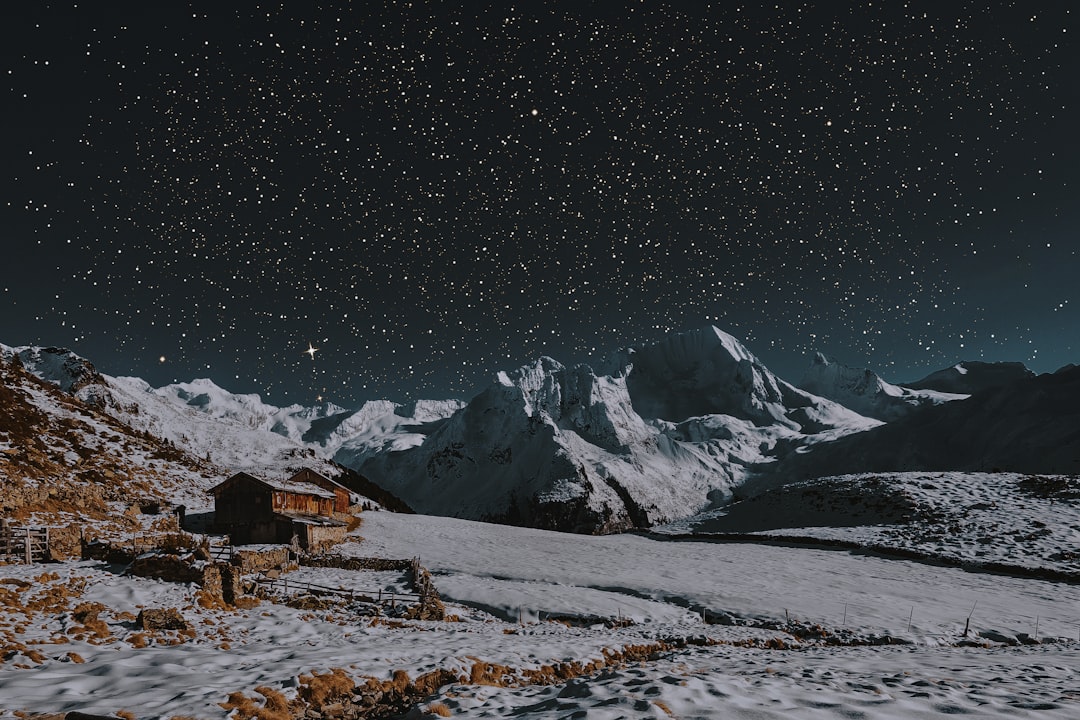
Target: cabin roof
x: 289, y: 486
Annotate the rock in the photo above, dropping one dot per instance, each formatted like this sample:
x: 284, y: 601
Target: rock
x: 165, y: 567
x: 161, y: 619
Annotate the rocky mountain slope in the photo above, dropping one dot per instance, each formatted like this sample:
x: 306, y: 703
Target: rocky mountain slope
x: 64, y: 462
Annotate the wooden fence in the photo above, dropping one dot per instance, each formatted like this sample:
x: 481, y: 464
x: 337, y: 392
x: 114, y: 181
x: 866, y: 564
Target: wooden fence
x: 221, y: 550
x: 24, y: 544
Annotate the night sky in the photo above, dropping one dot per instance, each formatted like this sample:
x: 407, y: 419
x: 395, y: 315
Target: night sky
x: 431, y: 192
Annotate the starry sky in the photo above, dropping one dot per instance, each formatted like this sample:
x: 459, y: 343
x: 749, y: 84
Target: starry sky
x: 431, y: 192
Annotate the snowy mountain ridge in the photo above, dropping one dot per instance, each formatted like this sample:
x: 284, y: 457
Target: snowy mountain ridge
x: 654, y: 433
x: 865, y: 392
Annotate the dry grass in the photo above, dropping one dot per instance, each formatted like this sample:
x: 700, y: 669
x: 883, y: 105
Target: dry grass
x: 318, y: 689
x: 429, y: 683
x: 664, y: 707
x: 34, y: 656
x: 440, y: 709
x: 210, y: 601
x: 273, y: 707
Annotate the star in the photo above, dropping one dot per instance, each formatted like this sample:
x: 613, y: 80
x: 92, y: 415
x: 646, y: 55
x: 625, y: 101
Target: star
x: 311, y: 350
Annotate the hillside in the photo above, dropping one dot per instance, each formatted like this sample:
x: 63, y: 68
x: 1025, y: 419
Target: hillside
x: 65, y: 463
x: 1029, y: 426
x: 973, y: 376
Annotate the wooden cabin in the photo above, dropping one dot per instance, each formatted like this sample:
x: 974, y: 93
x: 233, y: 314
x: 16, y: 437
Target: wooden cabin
x: 256, y: 510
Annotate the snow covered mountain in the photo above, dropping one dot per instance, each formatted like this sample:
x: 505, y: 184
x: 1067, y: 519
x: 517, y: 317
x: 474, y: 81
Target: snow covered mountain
x: 642, y: 437
x: 243, y: 432
x: 865, y: 392
x: 236, y: 431
x: 659, y: 432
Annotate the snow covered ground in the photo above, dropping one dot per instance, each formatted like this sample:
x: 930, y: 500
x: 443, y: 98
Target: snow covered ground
x: 1027, y: 522
x: 56, y: 662
x: 756, y: 582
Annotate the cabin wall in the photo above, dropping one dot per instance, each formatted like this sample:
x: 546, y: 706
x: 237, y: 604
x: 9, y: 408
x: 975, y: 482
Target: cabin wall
x: 242, y: 503
x: 341, y: 495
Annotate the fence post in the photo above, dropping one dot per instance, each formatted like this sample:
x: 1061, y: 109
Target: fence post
x: 29, y: 547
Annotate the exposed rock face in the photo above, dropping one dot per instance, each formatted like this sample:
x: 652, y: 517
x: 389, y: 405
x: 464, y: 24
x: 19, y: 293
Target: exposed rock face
x: 59, y: 366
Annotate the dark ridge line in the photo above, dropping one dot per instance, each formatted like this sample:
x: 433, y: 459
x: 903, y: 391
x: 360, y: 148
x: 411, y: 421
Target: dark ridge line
x: 885, y: 551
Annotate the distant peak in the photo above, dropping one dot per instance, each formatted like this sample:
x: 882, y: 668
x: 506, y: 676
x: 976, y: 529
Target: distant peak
x: 821, y: 358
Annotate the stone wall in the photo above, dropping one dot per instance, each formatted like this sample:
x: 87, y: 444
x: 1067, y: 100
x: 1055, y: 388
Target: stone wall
x: 250, y: 561
x: 321, y: 537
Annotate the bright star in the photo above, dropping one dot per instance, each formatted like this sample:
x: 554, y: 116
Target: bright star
x: 311, y: 351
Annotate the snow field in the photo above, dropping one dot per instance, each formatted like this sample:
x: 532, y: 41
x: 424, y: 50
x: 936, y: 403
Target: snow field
x: 1026, y: 521
x: 661, y: 586
x: 753, y: 581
